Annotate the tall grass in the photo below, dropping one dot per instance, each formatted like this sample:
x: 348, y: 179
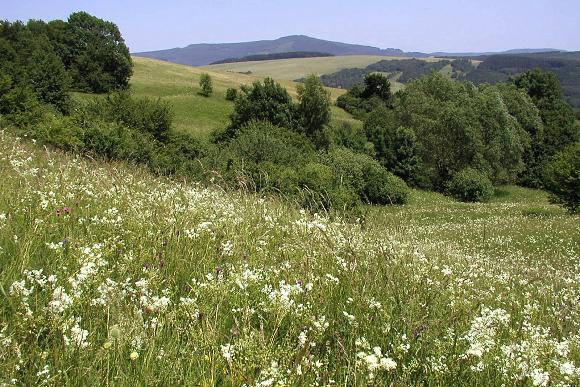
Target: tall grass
x: 111, y: 276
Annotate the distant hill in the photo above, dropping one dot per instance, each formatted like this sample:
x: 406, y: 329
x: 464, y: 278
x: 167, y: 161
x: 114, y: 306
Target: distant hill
x: 513, y: 51
x: 499, y: 68
x: 208, y: 53
x: 277, y: 56
x: 204, y: 54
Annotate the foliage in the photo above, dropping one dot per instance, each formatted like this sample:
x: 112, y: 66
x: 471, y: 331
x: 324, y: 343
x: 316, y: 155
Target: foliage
x: 262, y: 101
x: 366, y: 177
x: 562, y: 177
x: 313, y: 106
x: 396, y: 148
x: 349, y: 136
x: 360, y: 100
x: 205, y: 85
x: 143, y: 114
x: 231, y: 94
x: 469, y: 185
x: 382, y: 187
x: 558, y: 117
x: 98, y: 59
x: 406, y: 69
x: 378, y: 85
x: 455, y: 125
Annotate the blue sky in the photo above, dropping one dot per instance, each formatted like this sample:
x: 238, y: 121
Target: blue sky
x: 411, y: 25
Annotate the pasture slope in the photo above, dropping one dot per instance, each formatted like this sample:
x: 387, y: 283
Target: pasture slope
x: 179, y: 85
x: 110, y: 276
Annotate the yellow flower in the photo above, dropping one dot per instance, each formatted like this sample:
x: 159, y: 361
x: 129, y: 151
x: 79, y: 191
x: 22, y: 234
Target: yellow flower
x: 134, y: 356
x: 107, y: 344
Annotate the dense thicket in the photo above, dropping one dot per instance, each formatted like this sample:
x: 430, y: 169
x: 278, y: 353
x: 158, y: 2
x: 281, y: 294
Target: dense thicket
x: 83, y: 53
x: 375, y: 92
x: 562, y: 177
x: 437, y: 128
x: 271, y: 145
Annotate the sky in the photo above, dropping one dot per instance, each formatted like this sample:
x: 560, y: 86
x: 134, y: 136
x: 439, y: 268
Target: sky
x: 411, y: 25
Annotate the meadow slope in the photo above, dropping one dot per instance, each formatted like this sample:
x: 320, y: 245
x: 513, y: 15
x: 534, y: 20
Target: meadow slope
x: 179, y: 85
x: 296, y: 68
x: 111, y: 276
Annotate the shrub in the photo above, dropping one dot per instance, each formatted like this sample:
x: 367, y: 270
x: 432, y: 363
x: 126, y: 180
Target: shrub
x: 231, y: 94
x: 314, y: 106
x: 260, y: 141
x: 181, y: 155
x: 382, y: 187
x: 562, y: 177
x: 205, y: 84
x: 470, y: 185
x: 322, y: 191
x: 346, y: 167
x: 366, y: 177
x: 146, y: 115
x: 353, y: 138
x: 267, y: 101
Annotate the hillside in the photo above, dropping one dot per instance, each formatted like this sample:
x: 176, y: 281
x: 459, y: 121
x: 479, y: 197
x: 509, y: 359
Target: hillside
x: 204, y: 54
x: 399, y: 72
x: 499, y: 68
x: 112, y: 276
x: 292, y: 69
x: 179, y: 84
x: 277, y: 56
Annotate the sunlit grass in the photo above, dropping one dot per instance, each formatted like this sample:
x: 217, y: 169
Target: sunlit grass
x: 109, y: 275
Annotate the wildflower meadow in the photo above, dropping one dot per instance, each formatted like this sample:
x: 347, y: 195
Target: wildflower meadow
x: 111, y: 276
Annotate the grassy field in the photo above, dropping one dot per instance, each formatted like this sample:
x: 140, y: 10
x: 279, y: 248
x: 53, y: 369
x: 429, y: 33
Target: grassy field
x: 179, y: 84
x: 296, y: 68
x: 110, y: 276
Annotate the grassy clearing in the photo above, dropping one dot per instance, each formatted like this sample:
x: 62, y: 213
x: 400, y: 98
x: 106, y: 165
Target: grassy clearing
x: 179, y: 84
x: 111, y: 276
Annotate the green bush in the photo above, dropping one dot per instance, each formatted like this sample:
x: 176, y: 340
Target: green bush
x: 470, y: 185
x: 231, y: 94
x: 180, y: 155
x: 146, y: 115
x: 346, y: 167
x: 346, y: 136
x: 205, y: 85
x: 366, y: 177
x: 562, y: 177
x: 262, y: 101
x: 322, y: 191
x: 260, y: 141
x: 382, y: 187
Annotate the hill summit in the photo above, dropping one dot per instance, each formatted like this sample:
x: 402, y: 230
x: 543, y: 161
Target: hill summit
x: 204, y: 53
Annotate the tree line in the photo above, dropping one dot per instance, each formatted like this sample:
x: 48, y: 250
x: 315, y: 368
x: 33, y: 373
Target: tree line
x: 42, y: 62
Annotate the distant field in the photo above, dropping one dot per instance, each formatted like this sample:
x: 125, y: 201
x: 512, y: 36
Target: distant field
x: 291, y: 69
x: 179, y: 84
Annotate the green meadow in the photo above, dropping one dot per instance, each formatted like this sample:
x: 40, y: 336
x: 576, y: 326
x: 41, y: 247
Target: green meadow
x: 179, y: 85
